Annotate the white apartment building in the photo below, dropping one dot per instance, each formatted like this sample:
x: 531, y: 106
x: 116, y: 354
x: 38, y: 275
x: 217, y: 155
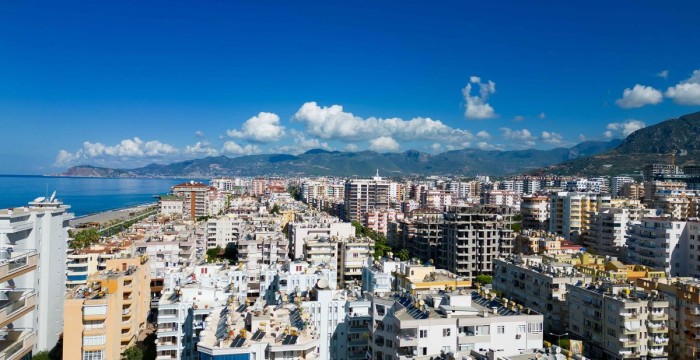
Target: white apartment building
x: 33, y: 245
x: 361, y: 195
x: 450, y: 324
x: 568, y: 212
x: 315, y: 228
x: 659, y: 243
x: 171, y: 205
x: 535, y: 212
x: 617, y: 182
x: 378, y: 276
x: 501, y: 198
x: 223, y: 230
x: 607, y: 228
x: 537, y: 284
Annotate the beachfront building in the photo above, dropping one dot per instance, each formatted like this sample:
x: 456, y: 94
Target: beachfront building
x: 196, y: 197
x: 84, y: 262
x: 171, y: 205
x: 106, y: 316
x: 33, y: 246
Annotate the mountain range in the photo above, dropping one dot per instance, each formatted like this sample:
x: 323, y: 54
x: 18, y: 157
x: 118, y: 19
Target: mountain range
x: 671, y: 140
x: 591, y: 158
x: 315, y: 162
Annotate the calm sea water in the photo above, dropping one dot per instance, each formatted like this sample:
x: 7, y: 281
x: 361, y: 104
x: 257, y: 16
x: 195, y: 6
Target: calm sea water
x: 84, y: 195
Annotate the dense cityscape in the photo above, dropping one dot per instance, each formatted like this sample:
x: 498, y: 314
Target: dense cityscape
x: 379, y: 268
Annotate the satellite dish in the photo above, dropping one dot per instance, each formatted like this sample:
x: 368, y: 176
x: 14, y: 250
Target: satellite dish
x: 53, y: 196
x: 39, y: 199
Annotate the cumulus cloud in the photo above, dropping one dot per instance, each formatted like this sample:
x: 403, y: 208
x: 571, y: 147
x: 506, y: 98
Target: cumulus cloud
x: 552, y: 138
x: 483, y: 135
x: 125, y: 149
x: 302, y: 143
x: 518, y: 118
x: 542, y: 115
x: 663, y: 74
x: 687, y: 92
x: 476, y: 106
x: 436, y: 148
x: 350, y: 147
x: 232, y: 148
x: 201, y: 148
x: 623, y: 128
x: 263, y: 128
x: 383, y: 143
x: 199, y: 133
x: 333, y: 123
x: 523, y: 136
x: 638, y: 96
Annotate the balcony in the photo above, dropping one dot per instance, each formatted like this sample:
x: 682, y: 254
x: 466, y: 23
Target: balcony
x: 16, y: 343
x: 658, y: 316
x: 19, y: 263
x: 17, y: 305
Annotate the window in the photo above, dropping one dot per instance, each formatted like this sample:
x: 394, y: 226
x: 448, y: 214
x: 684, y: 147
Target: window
x: 500, y: 329
x: 521, y: 329
x: 446, y: 332
x: 94, y: 355
x: 93, y: 340
x: 535, y: 328
x: 423, y: 334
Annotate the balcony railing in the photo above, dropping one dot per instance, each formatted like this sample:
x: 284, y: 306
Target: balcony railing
x: 18, y: 303
x: 16, y: 343
x: 18, y: 263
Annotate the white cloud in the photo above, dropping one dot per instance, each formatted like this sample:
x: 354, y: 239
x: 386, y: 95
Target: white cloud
x: 687, y: 92
x: 552, y: 138
x: 201, y: 148
x: 332, y: 123
x: 542, y: 115
x: 476, y: 106
x: 199, y: 133
x: 523, y: 136
x: 351, y: 147
x: 232, y: 148
x: 638, y: 96
x: 623, y: 128
x: 663, y: 74
x: 263, y: 128
x: 436, y: 148
x: 302, y: 144
x: 383, y: 143
x: 126, y: 149
x: 518, y: 118
x: 581, y: 137
x: 483, y: 135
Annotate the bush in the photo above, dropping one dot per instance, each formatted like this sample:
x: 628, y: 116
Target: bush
x: 133, y: 353
x: 483, y: 279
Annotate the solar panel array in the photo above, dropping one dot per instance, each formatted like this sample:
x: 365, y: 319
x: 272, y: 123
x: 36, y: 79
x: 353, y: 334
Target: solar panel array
x: 258, y: 335
x: 237, y: 342
x: 487, y: 303
x: 411, y: 309
x: 290, y: 340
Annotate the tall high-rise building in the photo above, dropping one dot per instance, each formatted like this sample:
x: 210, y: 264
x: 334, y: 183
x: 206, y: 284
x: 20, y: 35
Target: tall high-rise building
x: 195, y: 196
x: 473, y: 236
x: 361, y: 195
x: 33, y: 244
x: 569, y: 211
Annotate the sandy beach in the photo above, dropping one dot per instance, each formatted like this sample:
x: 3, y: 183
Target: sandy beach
x: 107, y: 216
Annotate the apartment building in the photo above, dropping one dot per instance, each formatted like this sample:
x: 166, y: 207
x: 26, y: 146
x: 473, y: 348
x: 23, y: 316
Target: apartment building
x: 353, y: 253
x: 378, y: 276
x: 451, y: 324
x: 569, y: 211
x: 378, y: 220
x: 196, y: 197
x: 33, y: 246
x: 501, y: 198
x: 84, y: 262
x: 535, y: 212
x: 660, y: 243
x: 305, y: 229
x: 171, y: 205
x: 616, y: 184
x: 607, y: 228
x: 105, y: 317
x: 538, y: 284
x: 361, y: 195
x: 616, y: 321
x: 473, y: 236
x: 223, y: 230
x: 416, y: 279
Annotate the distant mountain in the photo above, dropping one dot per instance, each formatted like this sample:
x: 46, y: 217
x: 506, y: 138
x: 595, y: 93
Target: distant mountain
x: 651, y: 144
x: 363, y: 163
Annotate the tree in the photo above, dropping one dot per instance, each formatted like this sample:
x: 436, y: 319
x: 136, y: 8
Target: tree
x: 483, y: 279
x: 275, y: 210
x: 213, y: 254
x: 84, y: 238
x: 42, y: 355
x: 403, y: 254
x: 231, y: 252
x: 133, y: 353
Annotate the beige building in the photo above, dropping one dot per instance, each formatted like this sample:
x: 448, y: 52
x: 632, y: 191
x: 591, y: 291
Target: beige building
x: 105, y: 317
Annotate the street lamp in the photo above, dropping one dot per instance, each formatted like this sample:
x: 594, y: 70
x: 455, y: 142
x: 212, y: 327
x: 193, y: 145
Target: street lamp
x: 559, y: 337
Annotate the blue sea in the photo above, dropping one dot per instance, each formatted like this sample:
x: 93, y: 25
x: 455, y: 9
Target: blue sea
x: 84, y: 195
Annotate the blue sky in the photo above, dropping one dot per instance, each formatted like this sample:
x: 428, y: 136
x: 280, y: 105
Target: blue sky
x: 127, y: 83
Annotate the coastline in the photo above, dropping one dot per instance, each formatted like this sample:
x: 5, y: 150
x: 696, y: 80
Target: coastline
x: 110, y: 215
